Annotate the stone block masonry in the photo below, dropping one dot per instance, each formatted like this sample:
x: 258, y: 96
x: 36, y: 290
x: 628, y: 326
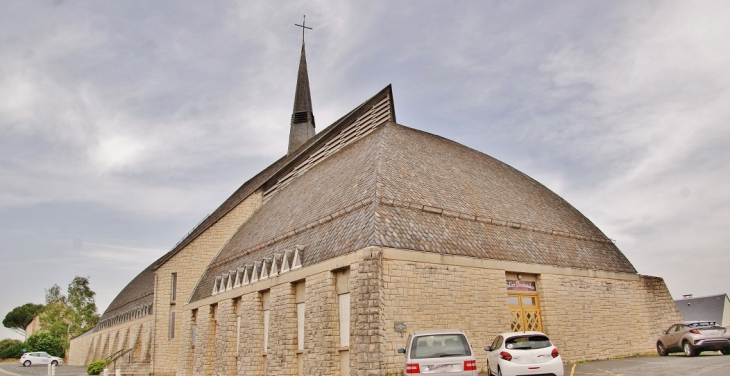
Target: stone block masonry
x: 433, y: 296
x: 189, y: 264
x: 599, y: 318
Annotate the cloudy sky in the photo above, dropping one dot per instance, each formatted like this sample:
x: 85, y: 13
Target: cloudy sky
x: 123, y: 124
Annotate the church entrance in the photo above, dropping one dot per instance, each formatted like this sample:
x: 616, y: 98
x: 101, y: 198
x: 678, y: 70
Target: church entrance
x: 524, y: 305
x: 524, y: 310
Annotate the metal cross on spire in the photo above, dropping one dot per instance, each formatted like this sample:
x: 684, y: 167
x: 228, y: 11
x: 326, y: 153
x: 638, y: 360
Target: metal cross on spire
x: 303, y: 26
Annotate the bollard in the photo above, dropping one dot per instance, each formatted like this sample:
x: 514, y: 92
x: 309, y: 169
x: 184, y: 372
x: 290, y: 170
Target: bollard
x: 118, y: 372
x: 53, y: 370
x: 106, y: 372
x: 49, y: 370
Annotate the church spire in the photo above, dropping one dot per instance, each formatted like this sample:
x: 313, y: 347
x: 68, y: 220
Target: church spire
x: 302, y: 118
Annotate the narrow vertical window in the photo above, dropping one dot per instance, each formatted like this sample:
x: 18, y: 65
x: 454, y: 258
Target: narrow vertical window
x: 173, y: 290
x: 265, y: 302
x: 172, y: 324
x: 194, y: 327
x: 344, y: 302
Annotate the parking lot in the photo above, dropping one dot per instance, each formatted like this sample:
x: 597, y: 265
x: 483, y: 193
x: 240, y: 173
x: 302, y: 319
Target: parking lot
x: 707, y: 364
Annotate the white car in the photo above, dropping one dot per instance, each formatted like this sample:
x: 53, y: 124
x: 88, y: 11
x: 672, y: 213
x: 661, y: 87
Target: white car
x: 39, y: 358
x: 523, y: 353
x: 439, y: 352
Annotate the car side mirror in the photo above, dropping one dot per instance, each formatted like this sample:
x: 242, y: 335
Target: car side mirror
x: 401, y: 351
x: 488, y: 348
x: 665, y: 332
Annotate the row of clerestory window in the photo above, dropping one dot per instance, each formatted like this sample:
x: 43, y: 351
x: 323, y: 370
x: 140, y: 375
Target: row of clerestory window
x: 267, y: 268
x: 129, y: 315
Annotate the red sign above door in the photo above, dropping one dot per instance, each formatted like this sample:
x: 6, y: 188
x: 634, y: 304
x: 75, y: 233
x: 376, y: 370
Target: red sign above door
x: 515, y: 285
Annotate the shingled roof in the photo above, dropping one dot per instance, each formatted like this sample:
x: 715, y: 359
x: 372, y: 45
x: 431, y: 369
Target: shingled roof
x: 402, y: 188
x: 141, y: 289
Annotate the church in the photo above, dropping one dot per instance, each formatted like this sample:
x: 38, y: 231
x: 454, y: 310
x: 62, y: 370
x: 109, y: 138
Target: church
x: 364, y: 231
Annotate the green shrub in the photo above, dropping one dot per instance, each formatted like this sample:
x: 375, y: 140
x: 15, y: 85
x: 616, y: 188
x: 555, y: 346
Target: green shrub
x: 42, y: 341
x: 11, y: 348
x: 97, y: 366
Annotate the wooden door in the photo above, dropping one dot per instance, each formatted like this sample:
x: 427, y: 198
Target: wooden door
x: 524, y: 310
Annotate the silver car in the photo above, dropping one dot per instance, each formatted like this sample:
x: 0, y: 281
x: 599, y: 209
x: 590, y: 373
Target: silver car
x: 439, y: 352
x: 693, y: 337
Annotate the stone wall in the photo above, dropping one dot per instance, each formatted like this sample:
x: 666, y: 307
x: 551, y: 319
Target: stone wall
x: 135, y: 334
x: 189, y: 264
x: 321, y: 326
x: 597, y: 318
x: 434, y: 296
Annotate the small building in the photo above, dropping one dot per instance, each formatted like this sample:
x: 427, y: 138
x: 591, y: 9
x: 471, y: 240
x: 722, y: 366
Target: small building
x: 33, y: 326
x: 322, y: 262
x: 711, y: 308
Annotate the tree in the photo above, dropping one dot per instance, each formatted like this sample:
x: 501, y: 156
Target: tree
x: 54, y: 294
x: 20, y: 317
x: 42, y: 341
x: 11, y: 348
x: 82, y: 302
x: 66, y: 317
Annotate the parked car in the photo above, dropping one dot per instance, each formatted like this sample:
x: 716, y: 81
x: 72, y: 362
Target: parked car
x: 39, y: 357
x: 693, y: 337
x: 439, y: 352
x: 523, y: 353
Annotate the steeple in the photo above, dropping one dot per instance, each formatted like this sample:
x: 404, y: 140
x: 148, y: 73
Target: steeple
x: 302, y: 118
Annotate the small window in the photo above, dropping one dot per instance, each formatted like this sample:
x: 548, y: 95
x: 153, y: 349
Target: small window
x: 173, y: 291
x: 529, y: 301
x: 172, y: 324
x: 513, y: 300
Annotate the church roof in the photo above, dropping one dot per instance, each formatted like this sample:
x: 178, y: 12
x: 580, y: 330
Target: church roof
x: 140, y: 290
x: 402, y: 188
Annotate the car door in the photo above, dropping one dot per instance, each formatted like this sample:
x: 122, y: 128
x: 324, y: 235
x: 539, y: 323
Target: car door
x: 675, y: 337
x: 493, y: 355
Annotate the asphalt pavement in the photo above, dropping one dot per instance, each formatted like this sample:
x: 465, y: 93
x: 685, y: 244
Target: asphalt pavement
x: 707, y: 364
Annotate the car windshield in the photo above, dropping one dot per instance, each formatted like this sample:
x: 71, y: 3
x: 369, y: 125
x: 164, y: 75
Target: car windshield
x: 439, y: 346
x: 527, y: 342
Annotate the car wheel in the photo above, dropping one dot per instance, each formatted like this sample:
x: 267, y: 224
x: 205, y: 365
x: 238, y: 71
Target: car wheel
x: 26, y: 363
x: 55, y: 362
x: 660, y: 349
x: 725, y: 351
x: 688, y: 349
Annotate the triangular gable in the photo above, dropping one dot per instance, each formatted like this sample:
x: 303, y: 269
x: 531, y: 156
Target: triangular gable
x: 286, y: 261
x: 256, y: 271
x: 297, y: 259
x: 247, y: 275
x: 231, y: 277
x: 265, y: 265
x: 216, y: 284
x: 275, y: 262
x: 239, y: 277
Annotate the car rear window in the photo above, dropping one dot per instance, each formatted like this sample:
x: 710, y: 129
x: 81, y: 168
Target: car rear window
x: 527, y: 342
x: 439, y: 346
x: 704, y: 324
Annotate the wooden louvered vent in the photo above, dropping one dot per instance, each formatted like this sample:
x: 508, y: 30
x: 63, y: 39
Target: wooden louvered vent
x: 302, y: 117
x: 378, y: 115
